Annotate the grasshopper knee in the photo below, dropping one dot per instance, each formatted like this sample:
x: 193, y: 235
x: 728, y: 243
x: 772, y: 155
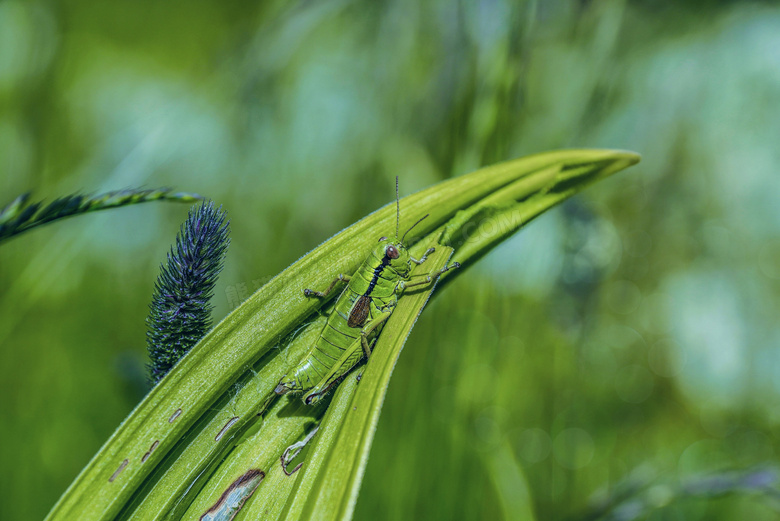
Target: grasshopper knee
x: 312, y: 398
x: 282, y: 388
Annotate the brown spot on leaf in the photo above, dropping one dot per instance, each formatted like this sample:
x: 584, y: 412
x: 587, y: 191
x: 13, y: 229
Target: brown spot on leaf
x: 233, y: 498
x: 118, y: 471
x: 149, y: 452
x: 175, y: 415
x: 227, y: 426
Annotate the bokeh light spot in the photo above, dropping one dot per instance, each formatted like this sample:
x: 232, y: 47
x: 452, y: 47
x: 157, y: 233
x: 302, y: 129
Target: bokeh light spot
x: 533, y: 445
x: 573, y: 448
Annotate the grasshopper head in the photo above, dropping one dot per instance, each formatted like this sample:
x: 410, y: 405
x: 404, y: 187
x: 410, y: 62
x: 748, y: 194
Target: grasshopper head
x: 394, y: 254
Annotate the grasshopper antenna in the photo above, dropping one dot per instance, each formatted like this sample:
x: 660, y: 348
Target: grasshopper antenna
x: 397, y: 208
x: 415, y: 224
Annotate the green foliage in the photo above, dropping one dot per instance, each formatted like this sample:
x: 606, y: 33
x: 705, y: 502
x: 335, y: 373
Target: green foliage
x: 219, y: 400
x: 633, y: 326
x: 21, y: 215
x: 638, y: 497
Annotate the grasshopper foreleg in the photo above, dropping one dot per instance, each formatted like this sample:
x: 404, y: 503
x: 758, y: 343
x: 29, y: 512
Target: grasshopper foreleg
x: 431, y: 276
x: 423, y: 258
x: 311, y: 293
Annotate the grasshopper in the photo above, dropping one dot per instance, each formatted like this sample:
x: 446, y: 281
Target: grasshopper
x: 359, y: 315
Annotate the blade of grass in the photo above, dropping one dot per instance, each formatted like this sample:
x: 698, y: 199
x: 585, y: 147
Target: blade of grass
x: 329, y: 487
x: 287, y: 421
x: 20, y: 215
x: 122, y: 474
x: 333, y: 471
x: 276, y: 498
x: 171, y: 491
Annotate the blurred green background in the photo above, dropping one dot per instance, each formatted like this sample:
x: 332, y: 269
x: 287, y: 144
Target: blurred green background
x: 630, y: 334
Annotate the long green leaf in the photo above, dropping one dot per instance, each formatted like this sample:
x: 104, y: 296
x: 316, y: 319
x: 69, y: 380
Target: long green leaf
x: 331, y: 480
x: 20, y: 215
x: 170, y: 450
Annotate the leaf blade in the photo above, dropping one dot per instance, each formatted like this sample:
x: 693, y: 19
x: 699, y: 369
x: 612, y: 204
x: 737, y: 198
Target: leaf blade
x: 274, y: 311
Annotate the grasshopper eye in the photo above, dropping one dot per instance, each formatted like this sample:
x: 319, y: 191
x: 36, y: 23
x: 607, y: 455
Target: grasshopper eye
x: 382, y: 239
x: 392, y: 252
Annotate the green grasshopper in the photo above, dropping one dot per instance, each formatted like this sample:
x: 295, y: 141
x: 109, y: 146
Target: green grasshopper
x: 359, y: 316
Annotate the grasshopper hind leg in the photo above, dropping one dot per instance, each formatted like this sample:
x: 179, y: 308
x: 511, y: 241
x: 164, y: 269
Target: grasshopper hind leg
x: 287, y: 387
x: 312, y: 398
